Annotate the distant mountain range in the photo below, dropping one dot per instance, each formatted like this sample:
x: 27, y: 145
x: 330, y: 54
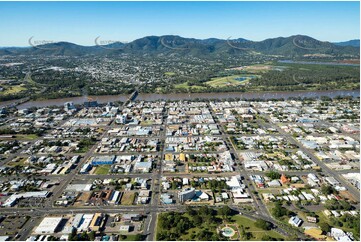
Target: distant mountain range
x: 354, y: 43
x: 293, y: 46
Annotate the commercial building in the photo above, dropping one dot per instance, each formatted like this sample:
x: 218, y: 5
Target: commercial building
x: 142, y: 166
x: 11, y: 201
x: 166, y: 198
x: 91, y: 104
x: 49, y: 225
x: 85, y: 168
x: 121, y: 119
x: 97, y: 222
x: 186, y: 194
x: 103, y: 160
x: 69, y: 106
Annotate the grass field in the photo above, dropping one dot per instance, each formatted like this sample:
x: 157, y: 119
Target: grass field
x: 20, y: 163
x: 128, y: 198
x: 261, y: 68
x: 147, y: 122
x: 102, y: 170
x: 169, y: 73
x: 229, y: 81
x: 27, y: 136
x: 130, y: 237
x: 13, y: 89
x: 186, y: 86
x: 257, y: 233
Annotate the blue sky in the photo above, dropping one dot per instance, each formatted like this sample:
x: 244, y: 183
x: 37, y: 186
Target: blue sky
x: 82, y: 22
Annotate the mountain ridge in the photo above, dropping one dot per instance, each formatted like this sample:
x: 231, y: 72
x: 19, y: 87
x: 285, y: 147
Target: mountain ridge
x: 292, y: 46
x: 353, y: 42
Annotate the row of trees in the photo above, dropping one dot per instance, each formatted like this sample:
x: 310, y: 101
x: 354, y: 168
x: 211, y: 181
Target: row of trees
x: 174, y: 225
x: 84, y: 236
x: 279, y: 211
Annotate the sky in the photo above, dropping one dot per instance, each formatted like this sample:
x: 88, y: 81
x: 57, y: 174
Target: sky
x: 83, y: 22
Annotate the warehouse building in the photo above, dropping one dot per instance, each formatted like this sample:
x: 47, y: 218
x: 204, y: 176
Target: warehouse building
x: 103, y: 160
x: 49, y: 225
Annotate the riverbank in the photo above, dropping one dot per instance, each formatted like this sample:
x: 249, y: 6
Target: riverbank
x: 186, y: 96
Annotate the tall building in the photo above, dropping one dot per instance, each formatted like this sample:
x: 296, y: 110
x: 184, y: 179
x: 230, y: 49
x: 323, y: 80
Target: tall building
x: 121, y: 119
x: 186, y: 194
x: 69, y: 106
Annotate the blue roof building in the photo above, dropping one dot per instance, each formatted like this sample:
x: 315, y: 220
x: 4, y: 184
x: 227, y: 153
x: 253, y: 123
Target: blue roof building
x: 91, y: 104
x: 103, y: 160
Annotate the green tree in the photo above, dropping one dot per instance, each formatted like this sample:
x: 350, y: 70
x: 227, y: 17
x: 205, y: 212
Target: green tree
x: 273, y: 175
x: 325, y: 227
x: 244, y: 234
x: 327, y: 190
x: 73, y: 235
x: 225, y: 212
x: 197, y: 220
x: 263, y: 224
x: 138, y: 237
x: 279, y: 211
x: 191, y: 211
x: 123, y: 236
x: 92, y: 235
x: 268, y: 238
x: 84, y: 236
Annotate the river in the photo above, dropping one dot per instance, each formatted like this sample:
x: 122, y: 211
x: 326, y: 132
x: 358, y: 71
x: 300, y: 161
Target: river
x: 317, y: 63
x: 186, y: 96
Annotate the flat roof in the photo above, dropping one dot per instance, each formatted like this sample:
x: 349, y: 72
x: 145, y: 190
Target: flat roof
x: 48, y: 225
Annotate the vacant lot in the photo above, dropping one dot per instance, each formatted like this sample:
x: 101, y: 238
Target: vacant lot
x: 169, y: 73
x: 27, y: 136
x: 19, y: 162
x: 128, y: 198
x: 102, y: 170
x: 13, y: 89
x: 185, y: 85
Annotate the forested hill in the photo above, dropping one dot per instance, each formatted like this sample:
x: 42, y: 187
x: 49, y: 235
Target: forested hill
x: 289, y: 47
